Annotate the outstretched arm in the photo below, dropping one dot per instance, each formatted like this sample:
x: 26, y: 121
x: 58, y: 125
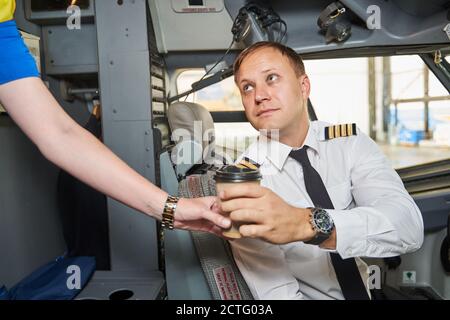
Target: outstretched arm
x: 62, y: 141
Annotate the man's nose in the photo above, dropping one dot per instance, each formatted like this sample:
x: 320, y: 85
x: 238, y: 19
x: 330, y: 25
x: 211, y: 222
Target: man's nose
x: 261, y: 94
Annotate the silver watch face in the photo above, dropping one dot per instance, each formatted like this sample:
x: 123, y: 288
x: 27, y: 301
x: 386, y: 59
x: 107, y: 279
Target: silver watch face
x: 323, y: 221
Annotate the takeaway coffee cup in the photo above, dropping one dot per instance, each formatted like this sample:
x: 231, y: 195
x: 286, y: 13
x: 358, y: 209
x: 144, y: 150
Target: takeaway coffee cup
x: 230, y: 175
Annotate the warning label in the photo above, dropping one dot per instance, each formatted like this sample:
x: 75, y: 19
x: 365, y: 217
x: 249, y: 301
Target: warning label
x: 226, y: 282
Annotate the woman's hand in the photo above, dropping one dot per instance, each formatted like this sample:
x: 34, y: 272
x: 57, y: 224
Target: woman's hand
x: 200, y: 214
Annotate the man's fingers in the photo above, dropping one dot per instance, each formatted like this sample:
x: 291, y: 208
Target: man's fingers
x: 241, y: 190
x: 238, y: 204
x: 247, y: 215
x: 254, y: 230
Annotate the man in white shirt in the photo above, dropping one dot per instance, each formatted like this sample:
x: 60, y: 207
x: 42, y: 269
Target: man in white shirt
x: 289, y: 248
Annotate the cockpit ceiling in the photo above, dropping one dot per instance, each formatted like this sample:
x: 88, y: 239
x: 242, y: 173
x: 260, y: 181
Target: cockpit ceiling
x: 402, y: 26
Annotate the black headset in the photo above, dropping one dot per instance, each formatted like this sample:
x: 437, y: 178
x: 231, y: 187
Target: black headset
x: 266, y: 16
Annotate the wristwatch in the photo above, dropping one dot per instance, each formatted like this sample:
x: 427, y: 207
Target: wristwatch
x: 168, y: 215
x: 323, y: 225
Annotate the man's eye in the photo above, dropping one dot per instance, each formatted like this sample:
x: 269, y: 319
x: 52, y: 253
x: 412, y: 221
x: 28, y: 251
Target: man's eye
x: 272, y: 77
x: 247, y: 88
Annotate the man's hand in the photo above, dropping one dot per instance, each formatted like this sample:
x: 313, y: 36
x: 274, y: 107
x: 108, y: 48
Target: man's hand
x: 200, y: 214
x: 265, y: 215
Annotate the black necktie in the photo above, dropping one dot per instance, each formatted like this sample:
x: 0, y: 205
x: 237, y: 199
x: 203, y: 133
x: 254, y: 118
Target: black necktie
x: 347, y: 272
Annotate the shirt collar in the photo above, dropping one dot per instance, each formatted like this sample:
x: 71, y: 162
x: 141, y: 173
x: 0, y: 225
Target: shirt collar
x: 311, y: 139
x: 277, y: 152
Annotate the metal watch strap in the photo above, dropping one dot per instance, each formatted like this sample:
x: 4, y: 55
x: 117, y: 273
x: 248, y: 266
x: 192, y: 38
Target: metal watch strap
x: 168, y: 215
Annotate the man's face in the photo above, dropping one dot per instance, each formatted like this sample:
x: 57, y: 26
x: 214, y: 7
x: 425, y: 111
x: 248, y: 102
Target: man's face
x: 274, y: 97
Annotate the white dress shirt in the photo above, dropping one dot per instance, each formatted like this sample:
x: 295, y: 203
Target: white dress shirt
x: 374, y: 216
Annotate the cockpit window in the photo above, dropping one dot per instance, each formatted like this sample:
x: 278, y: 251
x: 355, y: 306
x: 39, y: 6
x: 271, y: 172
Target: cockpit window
x: 222, y: 96
x: 396, y: 100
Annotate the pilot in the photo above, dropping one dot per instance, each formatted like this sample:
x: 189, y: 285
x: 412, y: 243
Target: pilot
x: 328, y: 194
x: 69, y: 146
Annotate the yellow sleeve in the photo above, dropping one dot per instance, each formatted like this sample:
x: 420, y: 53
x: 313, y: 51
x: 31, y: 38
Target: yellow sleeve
x: 7, y: 8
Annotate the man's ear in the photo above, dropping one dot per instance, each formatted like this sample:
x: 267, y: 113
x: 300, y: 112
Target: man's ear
x: 305, y: 85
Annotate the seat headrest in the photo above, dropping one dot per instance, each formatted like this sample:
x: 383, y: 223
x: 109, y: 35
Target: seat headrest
x: 194, y: 119
x: 192, y: 129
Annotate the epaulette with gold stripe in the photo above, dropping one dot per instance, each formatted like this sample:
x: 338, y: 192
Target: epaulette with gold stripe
x: 340, y: 130
x: 247, y: 163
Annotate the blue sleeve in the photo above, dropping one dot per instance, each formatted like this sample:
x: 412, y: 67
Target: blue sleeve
x: 16, y: 61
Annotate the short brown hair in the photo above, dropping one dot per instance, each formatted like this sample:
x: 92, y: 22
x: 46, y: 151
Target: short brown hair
x: 295, y: 60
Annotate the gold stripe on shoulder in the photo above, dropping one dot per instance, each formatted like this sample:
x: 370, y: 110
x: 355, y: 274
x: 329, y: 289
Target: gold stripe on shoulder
x: 344, y: 130
x: 330, y: 133
x: 248, y: 165
x: 337, y: 130
x: 340, y: 130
